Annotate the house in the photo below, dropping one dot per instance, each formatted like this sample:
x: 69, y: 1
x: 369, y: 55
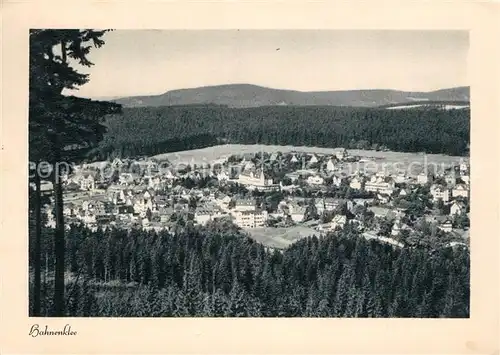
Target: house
x: 102, y: 208
x: 401, y: 178
x: 330, y: 166
x: 446, y: 226
x: 87, y: 217
x: 382, y: 212
x: 464, y: 167
x: 223, y: 201
x: 315, y: 180
x: 254, y: 180
x: 125, y: 210
x: 147, y: 195
x: 326, y: 204
x: 465, y: 178
x: 440, y: 193
x: 161, y: 200
x: 69, y: 209
x: 424, y: 178
x: 294, y: 159
x: 222, y: 176
x: 363, y: 201
x: 383, y: 198
x: 397, y: 227
x: 450, y: 179
x: 338, y: 221
x: 296, y: 212
x: 245, y: 205
x: 383, y: 185
x: 127, y: 178
x: 205, y: 214
x: 341, y: 154
x: 169, y: 175
x: 404, y: 192
x: 250, y: 218
x: 154, y: 182
x: 460, y: 190
x: 338, y: 180
x: 87, y: 181
x: 165, y: 214
x: 356, y: 183
x: 117, y: 163
x: 457, y: 208
x: 249, y: 165
x: 313, y: 160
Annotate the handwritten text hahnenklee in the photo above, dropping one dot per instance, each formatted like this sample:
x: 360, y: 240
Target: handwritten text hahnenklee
x: 36, y: 330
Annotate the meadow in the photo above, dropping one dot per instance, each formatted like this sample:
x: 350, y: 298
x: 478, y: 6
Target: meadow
x: 371, y: 159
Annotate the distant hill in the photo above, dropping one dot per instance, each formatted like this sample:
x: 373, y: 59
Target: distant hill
x: 247, y: 95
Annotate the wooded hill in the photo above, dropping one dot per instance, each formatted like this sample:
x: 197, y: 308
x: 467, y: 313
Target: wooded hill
x: 247, y: 95
x: 215, y: 271
x: 155, y: 130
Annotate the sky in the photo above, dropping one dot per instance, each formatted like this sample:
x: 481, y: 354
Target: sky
x: 148, y: 62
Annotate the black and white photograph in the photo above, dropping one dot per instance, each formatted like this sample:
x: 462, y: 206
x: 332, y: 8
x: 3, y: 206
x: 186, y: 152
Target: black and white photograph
x: 249, y: 173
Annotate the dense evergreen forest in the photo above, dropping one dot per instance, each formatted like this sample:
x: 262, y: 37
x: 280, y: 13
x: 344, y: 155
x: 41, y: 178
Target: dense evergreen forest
x: 216, y: 271
x: 155, y: 130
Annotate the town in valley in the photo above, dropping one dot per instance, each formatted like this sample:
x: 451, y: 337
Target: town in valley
x: 276, y: 198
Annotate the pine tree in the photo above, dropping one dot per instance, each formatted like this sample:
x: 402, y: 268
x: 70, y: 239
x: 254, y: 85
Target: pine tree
x: 238, y: 303
x: 65, y: 120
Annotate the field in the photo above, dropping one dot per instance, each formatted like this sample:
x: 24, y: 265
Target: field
x: 280, y: 237
x: 412, y: 163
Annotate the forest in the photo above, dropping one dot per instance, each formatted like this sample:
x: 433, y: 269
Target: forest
x: 216, y: 271
x: 155, y: 130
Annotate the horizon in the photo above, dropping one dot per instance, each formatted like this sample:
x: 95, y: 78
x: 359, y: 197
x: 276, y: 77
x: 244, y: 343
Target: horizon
x: 153, y: 62
x: 271, y: 88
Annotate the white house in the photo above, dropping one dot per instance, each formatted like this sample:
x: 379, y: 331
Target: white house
x: 222, y: 176
x: 294, y: 159
x: 245, y: 205
x: 338, y: 221
x: 440, y: 193
x: 87, y: 182
x: 450, y: 179
x: 338, y: 180
x: 169, y: 175
x: 315, y: 180
x: 356, y: 183
x: 404, y: 192
x: 296, y: 212
x: 203, y: 215
x: 398, y: 227
x: 446, y: 226
x: 460, y: 191
x: 381, y: 185
x: 464, y: 167
x: 401, y: 178
x: 126, y: 178
x: 330, y: 166
x: 341, y: 154
x: 253, y: 218
x: 313, y: 159
x: 424, y: 178
x: 255, y: 181
x: 248, y: 165
x: 457, y: 208
x: 384, y: 198
x: 88, y: 217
